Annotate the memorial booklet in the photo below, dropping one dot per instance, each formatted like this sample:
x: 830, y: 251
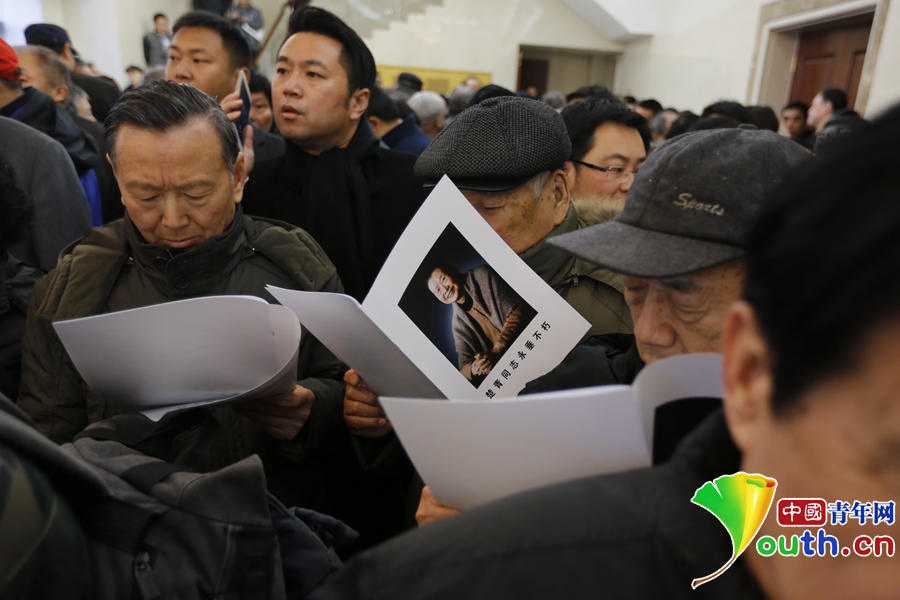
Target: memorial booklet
x: 453, y: 313
x: 471, y: 452
x: 184, y: 354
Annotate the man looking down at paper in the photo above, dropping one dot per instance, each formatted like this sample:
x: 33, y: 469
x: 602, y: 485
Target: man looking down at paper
x: 810, y: 400
x: 679, y: 244
x: 178, y: 163
x: 509, y: 157
x: 487, y: 316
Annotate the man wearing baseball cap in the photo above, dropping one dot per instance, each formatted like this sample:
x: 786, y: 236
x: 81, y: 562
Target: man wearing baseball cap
x: 809, y: 409
x: 101, y: 93
x: 679, y: 245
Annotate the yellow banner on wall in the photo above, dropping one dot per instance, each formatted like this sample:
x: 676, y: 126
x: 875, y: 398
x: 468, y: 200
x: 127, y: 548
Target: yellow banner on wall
x: 441, y: 81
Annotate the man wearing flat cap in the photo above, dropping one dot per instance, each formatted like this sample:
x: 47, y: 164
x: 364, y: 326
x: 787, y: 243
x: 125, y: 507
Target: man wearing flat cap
x: 679, y: 244
x: 509, y: 156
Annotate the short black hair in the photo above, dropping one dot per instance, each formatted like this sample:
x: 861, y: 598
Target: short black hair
x: 163, y: 105
x: 232, y: 40
x: 728, y: 109
x: 490, y: 90
x: 763, y: 117
x: 682, y: 123
x: 801, y: 106
x: 591, y: 91
x: 821, y: 277
x: 260, y: 83
x: 705, y: 123
x: 836, y: 96
x: 584, y: 118
x: 356, y: 58
x: 381, y: 105
x: 652, y: 105
x: 158, y: 15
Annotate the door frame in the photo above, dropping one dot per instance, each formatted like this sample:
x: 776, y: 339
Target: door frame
x: 776, y: 45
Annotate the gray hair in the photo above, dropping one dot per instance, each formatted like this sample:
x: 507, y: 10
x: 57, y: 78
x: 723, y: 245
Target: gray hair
x: 459, y: 99
x: 163, y: 105
x: 50, y: 64
x: 554, y: 98
x: 537, y: 183
x: 427, y: 106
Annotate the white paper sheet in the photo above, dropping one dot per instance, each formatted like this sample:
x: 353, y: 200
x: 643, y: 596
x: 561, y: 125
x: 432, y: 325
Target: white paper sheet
x: 471, y: 451
x: 339, y: 323
x: 186, y: 353
x: 402, y: 332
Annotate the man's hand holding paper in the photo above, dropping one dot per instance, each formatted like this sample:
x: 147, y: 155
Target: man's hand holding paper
x: 283, y: 415
x: 362, y: 412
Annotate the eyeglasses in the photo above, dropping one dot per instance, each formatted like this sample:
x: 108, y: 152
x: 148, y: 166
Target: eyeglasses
x: 612, y: 172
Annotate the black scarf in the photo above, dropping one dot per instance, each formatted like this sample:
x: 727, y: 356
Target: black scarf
x: 335, y: 207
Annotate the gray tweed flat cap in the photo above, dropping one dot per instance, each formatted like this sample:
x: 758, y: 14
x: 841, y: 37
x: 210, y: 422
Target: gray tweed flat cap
x: 497, y: 145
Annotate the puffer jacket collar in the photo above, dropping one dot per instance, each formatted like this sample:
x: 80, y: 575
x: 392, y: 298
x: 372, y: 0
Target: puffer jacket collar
x: 197, y: 271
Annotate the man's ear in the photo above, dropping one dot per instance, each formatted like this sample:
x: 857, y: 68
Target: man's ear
x: 559, y: 188
x: 240, y: 178
x: 358, y: 103
x: 747, y: 377
x: 59, y: 93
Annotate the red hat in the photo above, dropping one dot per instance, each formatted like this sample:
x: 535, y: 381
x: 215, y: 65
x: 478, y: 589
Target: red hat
x: 9, y: 62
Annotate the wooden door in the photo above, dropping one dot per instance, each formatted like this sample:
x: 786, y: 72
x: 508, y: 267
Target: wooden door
x: 831, y: 55
x: 534, y: 71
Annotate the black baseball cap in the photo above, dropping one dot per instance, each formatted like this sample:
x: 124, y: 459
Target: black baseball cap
x: 692, y: 203
x: 47, y: 35
x: 497, y: 145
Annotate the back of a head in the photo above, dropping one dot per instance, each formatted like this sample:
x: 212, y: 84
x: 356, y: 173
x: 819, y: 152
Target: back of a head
x: 232, y: 40
x: 652, y: 105
x: 763, y: 117
x: 554, y: 98
x: 728, y: 109
x: 489, y: 91
x: 355, y: 57
x: 681, y: 124
x: 260, y: 83
x: 836, y: 96
x: 427, y: 106
x: 381, y: 105
x: 459, y: 99
x: 47, y: 35
x: 163, y: 105
x: 591, y: 91
x: 821, y: 275
x: 706, y: 123
x: 409, y: 81
x: 583, y: 118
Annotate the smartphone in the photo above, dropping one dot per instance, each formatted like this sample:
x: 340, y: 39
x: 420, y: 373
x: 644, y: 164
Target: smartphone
x: 244, y: 119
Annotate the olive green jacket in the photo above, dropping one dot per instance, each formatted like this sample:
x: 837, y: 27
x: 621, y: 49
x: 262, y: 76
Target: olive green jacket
x: 594, y: 292
x: 112, y: 268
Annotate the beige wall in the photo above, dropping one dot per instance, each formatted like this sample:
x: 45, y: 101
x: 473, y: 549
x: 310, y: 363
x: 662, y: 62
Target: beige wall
x: 885, y: 89
x: 484, y: 36
x: 110, y: 32
x: 569, y: 70
x: 701, y: 53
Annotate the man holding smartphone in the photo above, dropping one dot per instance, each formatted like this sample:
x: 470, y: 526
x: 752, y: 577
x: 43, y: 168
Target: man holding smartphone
x: 209, y: 53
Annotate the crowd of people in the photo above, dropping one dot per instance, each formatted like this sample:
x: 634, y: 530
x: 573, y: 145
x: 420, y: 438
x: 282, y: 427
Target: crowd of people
x: 668, y: 231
